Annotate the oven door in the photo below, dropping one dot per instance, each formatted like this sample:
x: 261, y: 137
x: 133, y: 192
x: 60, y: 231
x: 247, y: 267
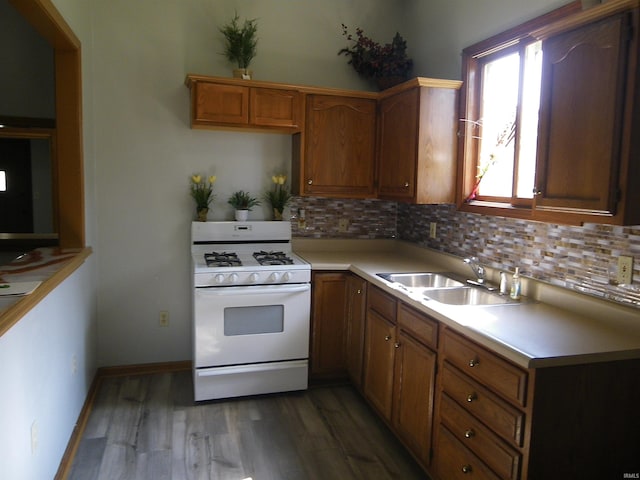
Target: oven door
x: 251, y: 324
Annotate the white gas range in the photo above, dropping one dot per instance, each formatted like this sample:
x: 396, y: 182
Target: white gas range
x: 251, y: 310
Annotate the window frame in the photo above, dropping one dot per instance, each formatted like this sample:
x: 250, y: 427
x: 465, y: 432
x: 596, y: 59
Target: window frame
x: 474, y: 58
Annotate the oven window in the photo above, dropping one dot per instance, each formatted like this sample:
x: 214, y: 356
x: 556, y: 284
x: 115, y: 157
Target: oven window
x: 253, y: 320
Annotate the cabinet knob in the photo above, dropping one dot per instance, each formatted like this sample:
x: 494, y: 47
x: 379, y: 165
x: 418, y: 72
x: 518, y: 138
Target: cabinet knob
x: 469, y: 434
x: 396, y: 345
x: 406, y: 184
x: 471, y: 397
x: 467, y: 469
x: 359, y: 291
x: 537, y: 192
x: 387, y: 338
x: 473, y: 362
x: 309, y: 182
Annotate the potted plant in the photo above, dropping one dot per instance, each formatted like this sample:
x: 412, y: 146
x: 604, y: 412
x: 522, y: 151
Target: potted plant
x: 279, y: 197
x: 202, y: 193
x: 386, y: 64
x: 243, y: 202
x: 240, y: 43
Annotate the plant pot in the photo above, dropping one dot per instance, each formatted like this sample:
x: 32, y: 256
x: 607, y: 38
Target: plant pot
x: 242, y: 215
x: 277, y: 214
x: 388, y: 82
x: 243, y: 73
x: 202, y: 214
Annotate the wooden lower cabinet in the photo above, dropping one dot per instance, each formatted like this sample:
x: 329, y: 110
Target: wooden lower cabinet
x: 328, y: 325
x: 356, y: 314
x: 399, y: 372
x: 461, y: 409
x: 415, y: 368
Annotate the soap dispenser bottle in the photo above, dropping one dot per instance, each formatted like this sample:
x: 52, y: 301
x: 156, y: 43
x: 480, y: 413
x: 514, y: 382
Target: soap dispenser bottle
x: 516, y: 286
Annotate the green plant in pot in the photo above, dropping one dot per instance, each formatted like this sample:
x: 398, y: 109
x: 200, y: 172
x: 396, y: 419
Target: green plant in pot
x: 243, y: 202
x: 240, y: 43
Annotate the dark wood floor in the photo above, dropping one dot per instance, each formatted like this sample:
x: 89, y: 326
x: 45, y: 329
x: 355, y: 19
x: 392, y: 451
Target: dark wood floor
x: 148, y: 427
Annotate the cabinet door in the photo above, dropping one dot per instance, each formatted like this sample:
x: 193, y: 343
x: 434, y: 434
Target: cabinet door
x: 216, y: 104
x: 274, y: 107
x: 328, y: 324
x: 398, y: 147
x: 339, y: 146
x: 414, y: 385
x: 356, y: 312
x: 378, y: 367
x: 581, y: 117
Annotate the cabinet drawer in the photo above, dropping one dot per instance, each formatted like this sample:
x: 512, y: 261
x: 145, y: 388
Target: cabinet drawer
x: 419, y: 325
x: 383, y: 303
x: 497, y: 414
x: 456, y: 462
x: 505, y: 461
x: 486, y: 367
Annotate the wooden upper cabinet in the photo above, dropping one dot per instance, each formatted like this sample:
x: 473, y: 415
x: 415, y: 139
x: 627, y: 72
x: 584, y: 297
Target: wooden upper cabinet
x: 335, y: 154
x: 244, y: 104
x: 587, y: 140
x: 274, y: 107
x: 417, y: 141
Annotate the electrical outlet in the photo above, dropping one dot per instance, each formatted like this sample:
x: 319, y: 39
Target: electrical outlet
x: 625, y: 270
x: 343, y: 225
x: 164, y: 318
x: 34, y: 437
x: 432, y: 229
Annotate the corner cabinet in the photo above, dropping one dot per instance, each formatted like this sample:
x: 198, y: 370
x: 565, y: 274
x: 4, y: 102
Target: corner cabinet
x: 244, y: 104
x: 328, y: 325
x: 588, y: 146
x: 334, y: 156
x: 417, y: 141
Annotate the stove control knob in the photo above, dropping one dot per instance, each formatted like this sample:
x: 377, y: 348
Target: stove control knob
x: 254, y: 277
x: 233, y: 278
x: 286, y: 277
x: 275, y: 276
x: 219, y: 278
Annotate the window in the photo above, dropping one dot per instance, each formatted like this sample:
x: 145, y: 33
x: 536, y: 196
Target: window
x: 499, y: 114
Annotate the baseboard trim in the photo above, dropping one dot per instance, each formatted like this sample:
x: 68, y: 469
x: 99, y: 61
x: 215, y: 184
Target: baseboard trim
x: 104, y: 372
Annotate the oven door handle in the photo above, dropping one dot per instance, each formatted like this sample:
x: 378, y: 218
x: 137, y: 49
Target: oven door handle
x: 255, y: 289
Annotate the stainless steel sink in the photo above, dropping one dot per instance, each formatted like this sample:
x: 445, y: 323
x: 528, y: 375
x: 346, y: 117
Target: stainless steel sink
x: 468, y: 296
x: 421, y: 280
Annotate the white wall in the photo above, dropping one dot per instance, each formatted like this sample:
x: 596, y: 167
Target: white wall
x: 37, y: 383
x: 440, y: 29
x: 145, y: 150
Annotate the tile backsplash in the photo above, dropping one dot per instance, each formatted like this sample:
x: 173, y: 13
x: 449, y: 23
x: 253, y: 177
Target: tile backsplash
x: 583, y: 258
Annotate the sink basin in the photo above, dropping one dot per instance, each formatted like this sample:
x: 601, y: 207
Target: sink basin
x: 421, y: 280
x: 467, y: 296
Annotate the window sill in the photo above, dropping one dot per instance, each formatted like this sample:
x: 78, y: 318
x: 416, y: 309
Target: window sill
x: 496, y: 208
x: 54, y: 267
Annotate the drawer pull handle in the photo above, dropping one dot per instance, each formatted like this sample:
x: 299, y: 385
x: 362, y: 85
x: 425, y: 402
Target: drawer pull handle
x: 469, y: 434
x: 396, y: 345
x: 359, y: 291
x: 406, y: 184
x: 471, y: 397
x: 473, y: 362
x: 387, y: 338
x: 467, y: 469
x: 309, y: 182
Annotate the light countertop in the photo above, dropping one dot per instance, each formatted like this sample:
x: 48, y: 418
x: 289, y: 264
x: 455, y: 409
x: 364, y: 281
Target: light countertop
x: 549, y: 328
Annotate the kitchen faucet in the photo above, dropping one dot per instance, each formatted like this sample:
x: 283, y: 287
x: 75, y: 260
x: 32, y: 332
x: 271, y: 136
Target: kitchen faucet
x: 477, y: 269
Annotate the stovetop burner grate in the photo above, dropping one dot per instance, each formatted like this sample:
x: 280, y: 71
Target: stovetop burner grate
x: 224, y: 259
x: 272, y: 258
